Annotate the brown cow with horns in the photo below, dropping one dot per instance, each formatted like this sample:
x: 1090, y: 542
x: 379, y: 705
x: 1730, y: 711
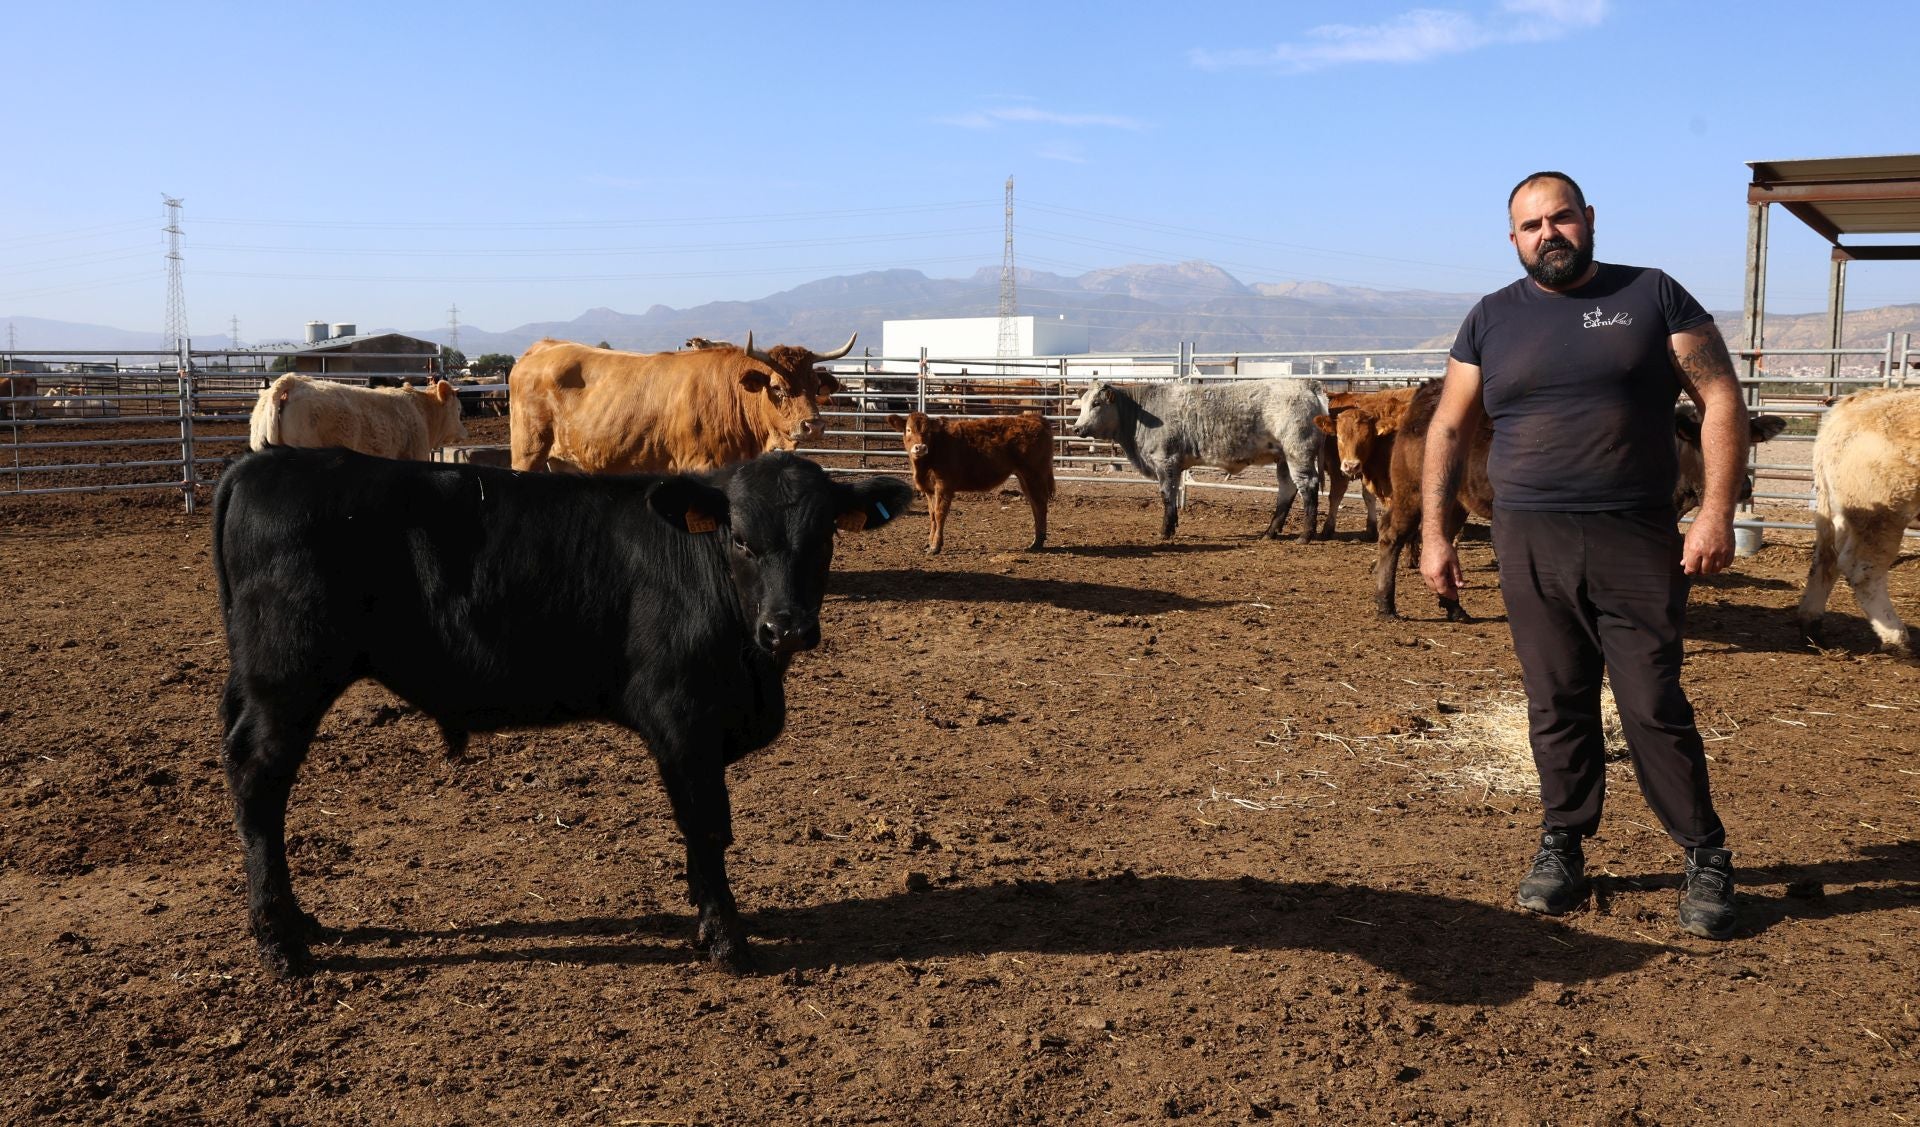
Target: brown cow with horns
x: 598, y: 410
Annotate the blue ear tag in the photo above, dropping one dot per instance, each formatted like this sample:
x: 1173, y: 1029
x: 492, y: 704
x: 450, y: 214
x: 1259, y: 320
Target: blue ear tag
x: 884, y: 514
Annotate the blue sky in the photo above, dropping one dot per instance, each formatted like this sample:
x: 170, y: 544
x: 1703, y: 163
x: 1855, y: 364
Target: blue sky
x: 380, y: 163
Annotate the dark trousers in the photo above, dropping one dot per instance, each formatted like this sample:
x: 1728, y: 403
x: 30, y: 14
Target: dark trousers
x: 1587, y: 592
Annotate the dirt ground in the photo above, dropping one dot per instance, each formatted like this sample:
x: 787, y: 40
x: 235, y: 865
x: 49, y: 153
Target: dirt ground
x: 1121, y: 831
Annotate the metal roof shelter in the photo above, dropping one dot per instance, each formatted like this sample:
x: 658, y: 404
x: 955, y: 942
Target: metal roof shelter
x: 1836, y: 197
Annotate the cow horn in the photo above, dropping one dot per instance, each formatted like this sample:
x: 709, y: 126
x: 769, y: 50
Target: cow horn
x: 754, y: 353
x: 843, y: 350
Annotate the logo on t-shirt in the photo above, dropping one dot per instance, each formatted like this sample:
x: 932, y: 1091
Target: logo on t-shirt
x: 1596, y: 318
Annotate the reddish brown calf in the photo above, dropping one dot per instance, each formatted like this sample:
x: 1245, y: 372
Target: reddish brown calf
x: 951, y: 456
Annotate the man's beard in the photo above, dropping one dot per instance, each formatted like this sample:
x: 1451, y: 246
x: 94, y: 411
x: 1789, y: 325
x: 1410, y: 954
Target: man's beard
x: 1550, y: 269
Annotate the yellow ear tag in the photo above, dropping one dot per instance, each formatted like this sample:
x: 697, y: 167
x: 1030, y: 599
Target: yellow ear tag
x: 853, y: 521
x: 698, y: 521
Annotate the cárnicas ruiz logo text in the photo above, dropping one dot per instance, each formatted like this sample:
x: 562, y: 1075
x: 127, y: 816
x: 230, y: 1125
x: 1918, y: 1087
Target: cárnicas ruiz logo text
x: 1596, y: 319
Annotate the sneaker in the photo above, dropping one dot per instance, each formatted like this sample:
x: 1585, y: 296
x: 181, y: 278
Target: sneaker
x: 1706, y: 894
x: 1557, y: 881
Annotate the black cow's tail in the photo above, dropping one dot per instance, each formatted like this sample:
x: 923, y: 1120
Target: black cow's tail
x: 222, y: 496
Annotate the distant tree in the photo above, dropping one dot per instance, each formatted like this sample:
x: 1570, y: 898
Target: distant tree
x: 603, y: 344
x: 281, y: 364
x: 452, y: 359
x: 492, y: 364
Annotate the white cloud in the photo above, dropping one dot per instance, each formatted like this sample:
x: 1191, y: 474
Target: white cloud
x: 1071, y: 154
x: 1416, y: 36
x: 1029, y: 115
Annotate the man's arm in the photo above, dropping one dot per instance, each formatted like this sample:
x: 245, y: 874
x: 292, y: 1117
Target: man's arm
x: 1454, y: 422
x: 1706, y: 371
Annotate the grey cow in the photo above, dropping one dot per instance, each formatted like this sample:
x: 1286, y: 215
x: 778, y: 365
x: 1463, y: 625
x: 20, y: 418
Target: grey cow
x: 1166, y: 428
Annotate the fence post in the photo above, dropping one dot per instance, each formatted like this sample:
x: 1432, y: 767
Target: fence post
x: 1906, y: 353
x: 1184, y: 375
x: 920, y: 382
x: 189, y: 475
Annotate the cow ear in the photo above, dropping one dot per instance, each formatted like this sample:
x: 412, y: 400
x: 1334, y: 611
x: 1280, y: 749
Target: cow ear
x: 753, y: 379
x: 688, y: 505
x: 828, y: 385
x: 1325, y: 423
x: 442, y: 390
x: 1760, y: 428
x: 895, y: 422
x: 870, y: 503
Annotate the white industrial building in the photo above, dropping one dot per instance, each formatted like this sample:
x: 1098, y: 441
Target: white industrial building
x: 970, y: 338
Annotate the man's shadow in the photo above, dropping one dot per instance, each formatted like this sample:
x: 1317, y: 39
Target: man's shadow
x: 1801, y: 890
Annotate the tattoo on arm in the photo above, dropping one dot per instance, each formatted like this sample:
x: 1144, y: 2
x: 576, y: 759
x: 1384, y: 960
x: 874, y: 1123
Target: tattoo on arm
x: 1708, y: 363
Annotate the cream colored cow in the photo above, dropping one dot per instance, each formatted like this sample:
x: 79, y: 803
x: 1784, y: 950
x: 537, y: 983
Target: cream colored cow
x: 387, y: 422
x: 1866, y: 480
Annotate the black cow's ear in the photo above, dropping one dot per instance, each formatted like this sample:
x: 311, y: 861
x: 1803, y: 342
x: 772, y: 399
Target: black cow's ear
x: 1687, y: 425
x: 688, y: 505
x: 1762, y: 428
x: 870, y: 503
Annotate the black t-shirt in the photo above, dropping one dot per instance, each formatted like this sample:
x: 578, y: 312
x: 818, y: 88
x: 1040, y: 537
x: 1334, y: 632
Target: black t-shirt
x: 1580, y: 387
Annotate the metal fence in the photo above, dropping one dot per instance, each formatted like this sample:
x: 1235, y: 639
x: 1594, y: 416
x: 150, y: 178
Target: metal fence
x: 167, y: 420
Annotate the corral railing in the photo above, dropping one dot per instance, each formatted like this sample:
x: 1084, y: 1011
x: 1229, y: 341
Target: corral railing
x: 132, y: 420
x: 1799, y: 384
x: 166, y: 420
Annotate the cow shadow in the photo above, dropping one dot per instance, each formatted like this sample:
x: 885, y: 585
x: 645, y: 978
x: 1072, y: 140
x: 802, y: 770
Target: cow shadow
x: 1736, y: 580
x: 1747, y: 627
x: 970, y: 586
x: 1449, y: 950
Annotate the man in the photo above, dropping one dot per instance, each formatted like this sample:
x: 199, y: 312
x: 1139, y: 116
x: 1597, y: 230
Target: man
x: 1578, y: 365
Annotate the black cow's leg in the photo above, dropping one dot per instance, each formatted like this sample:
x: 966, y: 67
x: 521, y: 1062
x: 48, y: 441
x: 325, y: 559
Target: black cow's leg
x: 1282, y: 502
x: 263, y: 751
x: 697, y: 787
x: 1169, y: 503
x: 1308, y: 487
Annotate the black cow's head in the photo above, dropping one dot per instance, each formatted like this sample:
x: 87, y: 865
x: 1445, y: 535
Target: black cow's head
x: 775, y: 517
x: 1691, y: 482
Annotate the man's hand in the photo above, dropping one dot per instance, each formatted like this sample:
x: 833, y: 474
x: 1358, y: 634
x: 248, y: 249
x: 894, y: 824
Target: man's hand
x: 1440, y: 567
x: 1709, y: 546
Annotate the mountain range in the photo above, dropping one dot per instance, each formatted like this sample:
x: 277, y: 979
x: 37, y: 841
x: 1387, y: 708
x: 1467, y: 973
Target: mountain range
x: 1135, y: 308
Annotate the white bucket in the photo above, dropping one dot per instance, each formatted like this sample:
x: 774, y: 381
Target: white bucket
x: 1746, y: 541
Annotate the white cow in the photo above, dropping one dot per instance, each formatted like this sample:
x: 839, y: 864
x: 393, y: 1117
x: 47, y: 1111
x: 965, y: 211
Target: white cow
x: 62, y: 404
x: 1165, y: 428
x: 1866, y: 479
x: 387, y: 422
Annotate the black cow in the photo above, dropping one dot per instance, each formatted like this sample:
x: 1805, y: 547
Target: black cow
x: 488, y: 599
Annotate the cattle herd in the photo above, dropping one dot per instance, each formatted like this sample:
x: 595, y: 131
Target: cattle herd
x: 674, y: 558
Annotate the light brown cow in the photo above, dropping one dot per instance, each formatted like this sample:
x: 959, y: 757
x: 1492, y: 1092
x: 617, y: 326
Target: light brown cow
x: 951, y: 456
x: 597, y: 410
x: 387, y: 422
x: 1362, y: 425
x: 1359, y: 427
x: 1866, y: 478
